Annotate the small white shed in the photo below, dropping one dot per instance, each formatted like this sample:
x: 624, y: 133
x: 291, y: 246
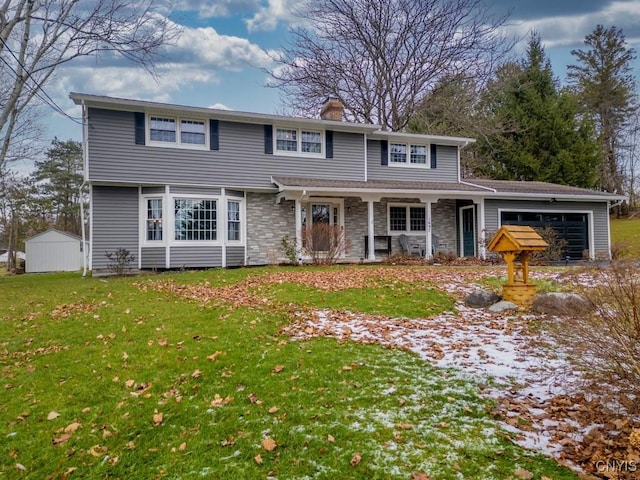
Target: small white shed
x: 54, y: 251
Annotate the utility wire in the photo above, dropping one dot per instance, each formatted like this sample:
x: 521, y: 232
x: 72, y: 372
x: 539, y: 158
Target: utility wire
x: 48, y: 100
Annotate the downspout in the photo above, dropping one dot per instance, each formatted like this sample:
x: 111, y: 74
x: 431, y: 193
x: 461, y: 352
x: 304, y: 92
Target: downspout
x: 85, y: 158
x: 366, y: 159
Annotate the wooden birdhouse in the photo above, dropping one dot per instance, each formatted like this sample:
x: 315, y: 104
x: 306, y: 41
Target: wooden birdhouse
x: 516, y: 243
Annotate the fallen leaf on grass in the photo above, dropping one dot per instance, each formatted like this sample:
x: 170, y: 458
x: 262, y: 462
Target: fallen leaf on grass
x: 130, y: 383
x: 21, y: 467
x: 98, y: 451
x: 183, y: 446
x: 52, y: 415
x: 72, y: 427
x: 61, y: 439
x: 196, y: 374
x: 214, y: 356
x: 68, y: 472
x: 258, y: 459
x: 268, y: 444
x: 273, y: 409
x: 330, y: 439
x: 218, y: 401
x: 404, y: 426
x: 420, y: 476
x: 278, y: 368
x: 523, y: 474
x: 157, y: 418
x: 355, y: 460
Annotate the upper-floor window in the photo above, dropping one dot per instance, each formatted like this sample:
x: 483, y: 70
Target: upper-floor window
x: 299, y: 141
x: 177, y: 131
x: 408, y: 154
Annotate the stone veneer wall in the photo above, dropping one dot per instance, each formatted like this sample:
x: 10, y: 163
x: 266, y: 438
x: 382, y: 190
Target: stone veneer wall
x: 267, y: 224
x: 355, y: 221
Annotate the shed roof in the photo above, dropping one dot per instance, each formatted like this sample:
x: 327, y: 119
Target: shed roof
x: 516, y: 238
x: 53, y: 230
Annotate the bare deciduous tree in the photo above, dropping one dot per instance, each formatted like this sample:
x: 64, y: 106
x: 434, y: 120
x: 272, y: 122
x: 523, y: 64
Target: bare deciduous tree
x: 36, y: 37
x: 381, y: 57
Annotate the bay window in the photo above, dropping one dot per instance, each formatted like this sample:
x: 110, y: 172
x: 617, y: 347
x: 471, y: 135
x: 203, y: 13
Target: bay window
x: 195, y: 219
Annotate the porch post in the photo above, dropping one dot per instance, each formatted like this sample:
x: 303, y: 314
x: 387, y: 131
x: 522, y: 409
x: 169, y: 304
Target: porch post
x: 482, y: 234
x: 429, y: 244
x: 371, y: 255
x: 298, y: 217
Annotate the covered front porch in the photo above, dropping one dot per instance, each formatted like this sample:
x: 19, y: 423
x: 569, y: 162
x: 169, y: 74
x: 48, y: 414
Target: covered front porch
x: 381, y: 219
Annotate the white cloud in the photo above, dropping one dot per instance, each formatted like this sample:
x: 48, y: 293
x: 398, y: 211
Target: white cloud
x: 219, y: 106
x: 270, y: 16
x: 208, y: 48
x: 217, y: 8
x: 570, y: 30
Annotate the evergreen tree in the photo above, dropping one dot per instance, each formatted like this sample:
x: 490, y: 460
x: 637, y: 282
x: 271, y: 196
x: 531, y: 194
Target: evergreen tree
x: 541, y: 136
x: 60, y: 177
x: 606, y: 86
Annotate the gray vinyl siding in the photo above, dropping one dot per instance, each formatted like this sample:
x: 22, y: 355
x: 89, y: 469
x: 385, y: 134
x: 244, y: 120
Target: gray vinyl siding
x: 153, y: 257
x: 600, y: 213
x: 195, y: 190
x: 240, y: 160
x: 446, y: 169
x: 235, y: 256
x: 114, y: 222
x: 152, y: 190
x: 196, y: 256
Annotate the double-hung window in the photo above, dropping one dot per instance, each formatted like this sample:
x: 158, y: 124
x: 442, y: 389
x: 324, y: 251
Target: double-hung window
x: 195, y: 219
x: 234, y: 234
x: 290, y: 141
x: 153, y: 231
x: 408, y: 154
x: 407, y: 218
x: 172, y: 131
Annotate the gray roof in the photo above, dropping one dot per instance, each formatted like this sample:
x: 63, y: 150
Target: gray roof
x: 485, y: 188
x: 551, y: 189
x: 375, y: 185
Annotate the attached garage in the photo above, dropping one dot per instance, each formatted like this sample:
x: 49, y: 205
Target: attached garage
x: 572, y: 227
x: 54, y: 251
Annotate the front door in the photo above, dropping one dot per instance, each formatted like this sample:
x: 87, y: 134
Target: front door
x: 321, y: 225
x: 468, y: 231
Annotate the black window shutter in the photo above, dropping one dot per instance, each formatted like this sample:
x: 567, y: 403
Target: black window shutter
x: 138, y: 118
x: 384, y: 152
x: 328, y: 137
x: 434, y: 160
x: 214, y: 140
x: 268, y: 139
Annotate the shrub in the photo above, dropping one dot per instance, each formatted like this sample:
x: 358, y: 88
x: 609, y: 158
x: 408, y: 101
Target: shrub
x: 324, y: 243
x: 606, y: 336
x: 120, y: 261
x: 556, y: 249
x: 289, y: 248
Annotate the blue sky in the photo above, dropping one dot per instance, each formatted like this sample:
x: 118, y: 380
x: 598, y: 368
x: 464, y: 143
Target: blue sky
x: 217, y: 60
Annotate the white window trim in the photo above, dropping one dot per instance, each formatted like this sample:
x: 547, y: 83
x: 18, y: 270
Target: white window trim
x: 243, y: 223
x: 219, y: 211
x: 408, y: 231
x: 143, y: 216
x: 177, y: 143
x: 408, y: 163
x: 299, y: 152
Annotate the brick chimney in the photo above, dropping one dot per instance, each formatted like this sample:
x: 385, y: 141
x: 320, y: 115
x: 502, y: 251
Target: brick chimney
x: 332, y: 109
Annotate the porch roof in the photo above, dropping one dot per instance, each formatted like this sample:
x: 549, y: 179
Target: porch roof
x: 374, y: 186
x: 526, y: 188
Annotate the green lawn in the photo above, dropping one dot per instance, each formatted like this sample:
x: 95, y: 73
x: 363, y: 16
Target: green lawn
x: 625, y: 237
x: 117, y: 378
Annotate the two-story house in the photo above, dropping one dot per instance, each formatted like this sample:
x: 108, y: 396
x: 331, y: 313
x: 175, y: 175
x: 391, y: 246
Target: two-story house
x: 182, y: 186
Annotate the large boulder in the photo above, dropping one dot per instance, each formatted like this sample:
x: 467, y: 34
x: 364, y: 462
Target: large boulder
x: 503, y: 306
x: 559, y: 303
x: 481, y: 298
